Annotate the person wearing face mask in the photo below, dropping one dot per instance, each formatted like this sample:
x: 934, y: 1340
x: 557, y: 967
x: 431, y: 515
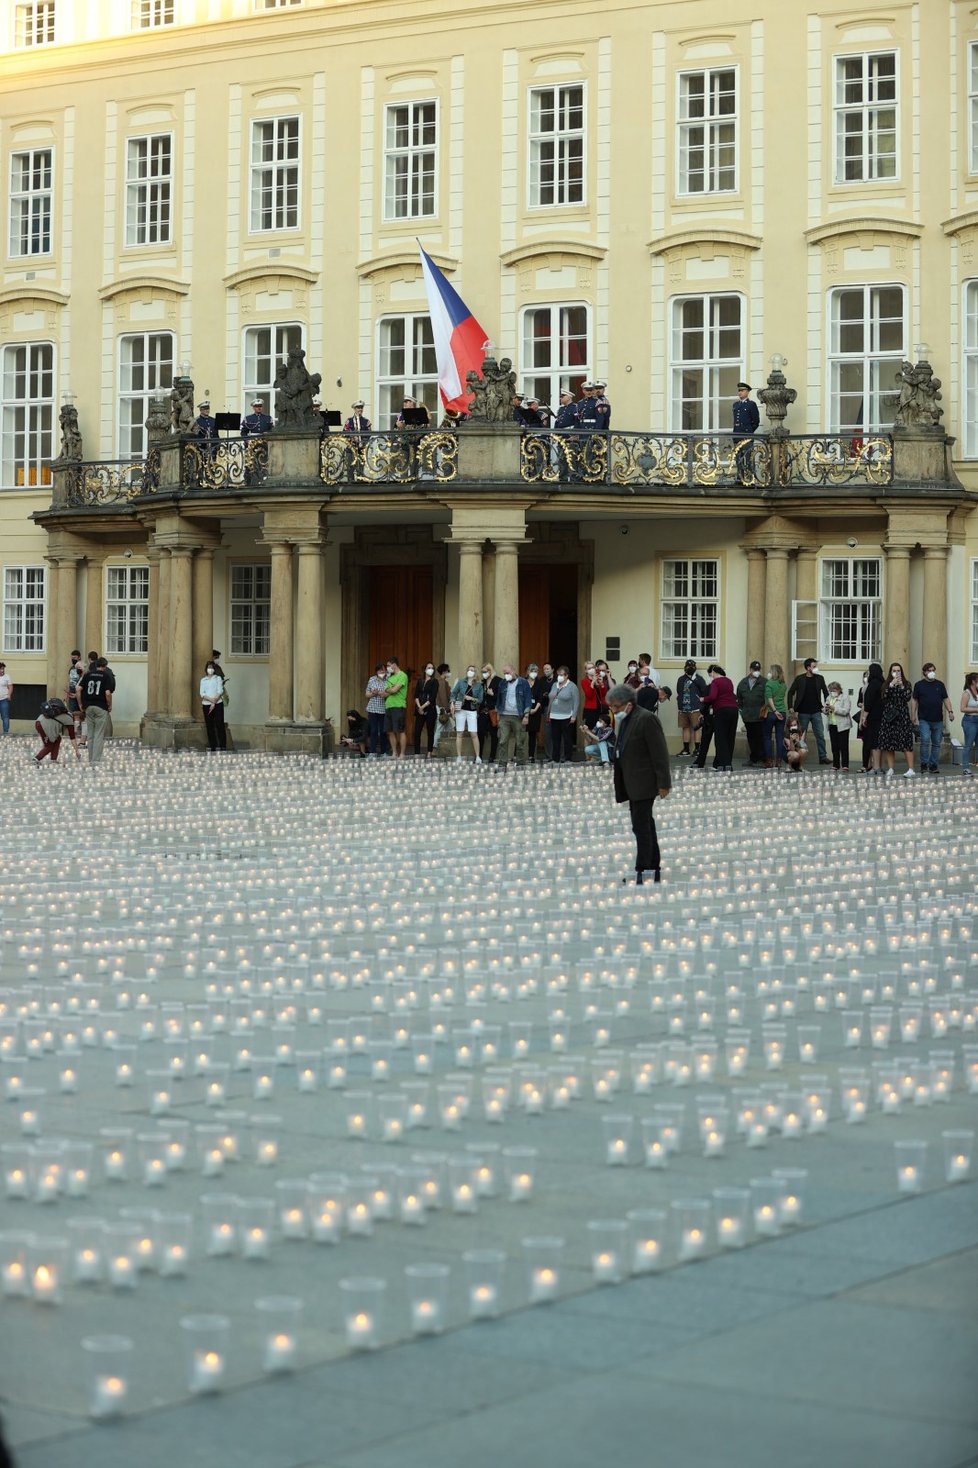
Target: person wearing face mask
x: 896, y: 729
x: 513, y: 703
x: 467, y: 695
x: 546, y: 680
x: 928, y: 706
x: 395, y: 702
x: 443, y: 702
x: 539, y: 690
x: 806, y: 698
x: 589, y: 697
x: 212, y: 698
x: 489, y: 715
x: 690, y: 688
x: 632, y: 679
x: 641, y: 771
x: 425, y: 708
x: 376, y: 710
x: 564, y: 701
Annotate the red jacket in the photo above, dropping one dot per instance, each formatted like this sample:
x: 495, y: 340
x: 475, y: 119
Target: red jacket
x: 720, y: 695
x: 589, y: 694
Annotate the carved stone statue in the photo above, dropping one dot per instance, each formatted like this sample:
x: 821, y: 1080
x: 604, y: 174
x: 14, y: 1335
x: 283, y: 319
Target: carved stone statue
x: 919, y: 395
x: 158, y: 421
x: 295, y: 390
x: 492, y: 392
x: 182, y: 405
x: 71, y: 439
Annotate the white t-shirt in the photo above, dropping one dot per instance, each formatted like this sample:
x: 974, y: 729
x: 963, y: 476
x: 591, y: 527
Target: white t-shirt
x: 6, y: 686
x: 212, y: 688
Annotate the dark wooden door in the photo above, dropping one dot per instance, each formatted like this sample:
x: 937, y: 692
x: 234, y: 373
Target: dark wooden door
x: 399, y: 619
x: 548, y: 615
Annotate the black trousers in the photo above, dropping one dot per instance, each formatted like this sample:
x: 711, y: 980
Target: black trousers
x: 724, y: 732
x: 755, y: 741
x: 427, y: 720
x: 705, y: 732
x: 839, y: 740
x: 217, y: 737
x: 646, y: 838
x: 562, y: 739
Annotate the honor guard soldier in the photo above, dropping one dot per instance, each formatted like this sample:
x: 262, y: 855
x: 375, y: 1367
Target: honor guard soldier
x: 746, y: 421
x: 204, y: 425
x: 587, y: 408
x: 357, y: 423
x: 257, y: 423
x: 520, y: 413
x: 568, y: 414
x: 602, y: 407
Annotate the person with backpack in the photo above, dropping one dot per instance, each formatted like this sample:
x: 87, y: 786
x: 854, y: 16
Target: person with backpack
x: 52, y: 723
x: 95, y: 690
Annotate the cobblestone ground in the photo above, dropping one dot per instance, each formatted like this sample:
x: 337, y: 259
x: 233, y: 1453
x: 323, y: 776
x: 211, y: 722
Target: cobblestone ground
x: 336, y: 1020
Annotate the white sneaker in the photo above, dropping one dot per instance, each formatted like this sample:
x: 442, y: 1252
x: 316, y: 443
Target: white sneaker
x: 889, y: 774
x: 460, y: 759
x: 478, y: 760
x: 910, y: 774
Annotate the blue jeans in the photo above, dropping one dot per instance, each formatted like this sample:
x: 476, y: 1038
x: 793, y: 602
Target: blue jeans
x: 969, y: 732
x: 5, y: 714
x: 774, y: 725
x: 931, y: 734
x: 814, y: 721
x: 375, y: 726
x: 598, y: 751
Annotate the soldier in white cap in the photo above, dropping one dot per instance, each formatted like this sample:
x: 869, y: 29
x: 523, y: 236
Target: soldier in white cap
x: 257, y: 422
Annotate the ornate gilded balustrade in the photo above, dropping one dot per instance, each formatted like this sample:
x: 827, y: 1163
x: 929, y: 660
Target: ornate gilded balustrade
x: 399, y: 457
x: 226, y: 463
x: 703, y: 460
x: 111, y: 482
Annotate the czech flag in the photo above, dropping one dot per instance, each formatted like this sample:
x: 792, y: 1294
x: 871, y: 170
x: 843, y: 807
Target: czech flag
x: 459, y: 339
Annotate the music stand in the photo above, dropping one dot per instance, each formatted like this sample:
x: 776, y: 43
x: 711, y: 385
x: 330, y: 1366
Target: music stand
x: 228, y: 423
x: 415, y: 417
x: 332, y: 418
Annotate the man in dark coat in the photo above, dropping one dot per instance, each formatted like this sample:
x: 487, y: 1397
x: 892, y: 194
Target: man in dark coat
x: 641, y: 773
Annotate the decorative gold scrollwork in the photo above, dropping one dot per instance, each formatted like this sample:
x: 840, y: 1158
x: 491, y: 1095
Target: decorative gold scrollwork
x: 837, y: 460
x: 225, y: 464
x: 110, y: 483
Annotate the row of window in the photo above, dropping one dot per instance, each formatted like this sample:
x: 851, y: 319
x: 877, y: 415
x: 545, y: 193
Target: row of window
x: 35, y: 21
x: 708, y: 337
x: 848, y: 612
x: 707, y: 146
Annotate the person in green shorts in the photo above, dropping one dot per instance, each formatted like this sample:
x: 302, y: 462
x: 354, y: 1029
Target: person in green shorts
x: 395, y: 704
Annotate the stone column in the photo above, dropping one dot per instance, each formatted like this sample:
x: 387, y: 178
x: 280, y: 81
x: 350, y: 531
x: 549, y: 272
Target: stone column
x: 153, y: 634
x: 94, y: 603
x: 469, y: 604
x: 934, y: 644
x: 489, y: 606
x: 310, y: 673
x: 280, y: 651
x: 181, y: 626
x: 776, y: 612
x: 203, y: 633
x: 756, y: 601
x: 160, y: 634
x: 66, y: 627
x: 506, y: 611
x: 51, y: 622
x: 896, y: 621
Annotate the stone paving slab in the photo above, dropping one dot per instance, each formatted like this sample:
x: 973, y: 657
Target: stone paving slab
x: 949, y: 1284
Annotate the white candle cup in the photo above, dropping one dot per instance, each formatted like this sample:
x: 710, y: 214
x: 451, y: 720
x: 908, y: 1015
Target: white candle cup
x: 124, y: 1061
x: 177, y: 1143
x: 209, y: 1139
x: 216, y: 1076
x: 144, y: 1223
x: 792, y: 1115
x: 427, y: 1289
x: 808, y: 1037
x: 265, y: 1139
x: 358, y: 1105
x: 485, y: 1157
x: 791, y: 1201
x: 15, y: 1280
x: 911, y: 1162
x: 617, y: 1139
x: 254, y: 1219
x: 608, y: 1248
x: 417, y: 1097
x: 773, y: 1042
x: 279, y: 1317
x: 671, y: 1119
x: 68, y: 1071
x: 880, y: 1026
x: 116, y: 1146
x: 542, y: 1256
x: 290, y: 1206
x: 691, y: 1218
x: 29, y: 1103
x: 654, y: 1149
x: 392, y: 1113
x: 520, y: 1165
x: 484, y: 1271
x: 765, y: 1196
x: 958, y: 1151
x: 120, y: 1254
x: 731, y: 1212
x: 78, y: 1168
x: 308, y: 1069
x: 47, y: 1268
x: 462, y: 1186
x: 218, y: 1223
x: 109, y: 1369
x: 362, y: 1307
x: 263, y: 1077
x: 152, y: 1158
x: 160, y: 1092
x: 86, y: 1248
x: 648, y: 1230
x: 16, y: 1160
x: 173, y: 1244
x: 359, y: 1209
x: 206, y: 1338
x: 410, y: 1196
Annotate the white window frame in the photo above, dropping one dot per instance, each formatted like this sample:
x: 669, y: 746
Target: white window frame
x: 547, y: 382
x: 152, y: 15
x: 414, y: 381
x: 127, y: 610
x: 156, y: 370
x: 24, y: 613
x: 419, y: 160
x: 35, y: 24
x: 863, y: 608
x: 969, y: 369
x: 711, y: 123
x: 260, y: 366
x: 973, y: 649
x: 879, y: 368
x: 564, y: 140
x: 973, y: 107
x: 250, y: 608
x: 149, y: 191
x: 26, y: 422
x: 869, y: 111
x: 282, y: 174
x: 263, y: 5
x: 698, y: 610
x: 717, y: 370
x: 31, y: 208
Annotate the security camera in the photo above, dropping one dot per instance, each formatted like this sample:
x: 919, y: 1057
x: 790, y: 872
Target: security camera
x: 622, y: 529
x: 128, y: 553
x: 852, y: 542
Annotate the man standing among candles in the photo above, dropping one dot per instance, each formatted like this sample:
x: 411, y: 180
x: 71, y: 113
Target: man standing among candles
x: 395, y: 703
x: 641, y: 773
x: 95, y: 691
x: 806, y: 698
x: 753, y: 709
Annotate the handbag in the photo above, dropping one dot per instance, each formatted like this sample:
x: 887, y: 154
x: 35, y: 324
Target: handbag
x: 494, y: 718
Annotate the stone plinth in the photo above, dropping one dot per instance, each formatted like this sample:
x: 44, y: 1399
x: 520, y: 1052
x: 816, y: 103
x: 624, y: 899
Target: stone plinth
x: 164, y: 731
x: 489, y: 451
x: 286, y: 737
x: 293, y: 460
x: 922, y: 456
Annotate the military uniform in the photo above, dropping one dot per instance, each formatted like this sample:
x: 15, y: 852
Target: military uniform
x: 746, y: 421
x: 256, y: 425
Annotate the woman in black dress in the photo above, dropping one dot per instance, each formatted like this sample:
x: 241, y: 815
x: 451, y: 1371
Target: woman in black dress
x: 425, y: 708
x: 488, y: 717
x: 896, y: 730
x: 871, y: 711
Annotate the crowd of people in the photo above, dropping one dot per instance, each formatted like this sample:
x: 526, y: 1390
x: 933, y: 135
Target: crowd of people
x: 506, y: 716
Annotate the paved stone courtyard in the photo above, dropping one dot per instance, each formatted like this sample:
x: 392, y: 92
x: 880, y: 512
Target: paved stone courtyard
x: 393, y: 981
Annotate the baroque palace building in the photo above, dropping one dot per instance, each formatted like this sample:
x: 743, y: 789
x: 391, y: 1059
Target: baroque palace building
x: 670, y: 196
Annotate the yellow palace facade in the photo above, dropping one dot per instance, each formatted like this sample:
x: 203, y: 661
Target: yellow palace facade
x: 669, y: 197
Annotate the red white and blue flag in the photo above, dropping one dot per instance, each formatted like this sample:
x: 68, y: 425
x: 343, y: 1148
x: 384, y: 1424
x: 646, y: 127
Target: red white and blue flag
x: 459, y: 339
